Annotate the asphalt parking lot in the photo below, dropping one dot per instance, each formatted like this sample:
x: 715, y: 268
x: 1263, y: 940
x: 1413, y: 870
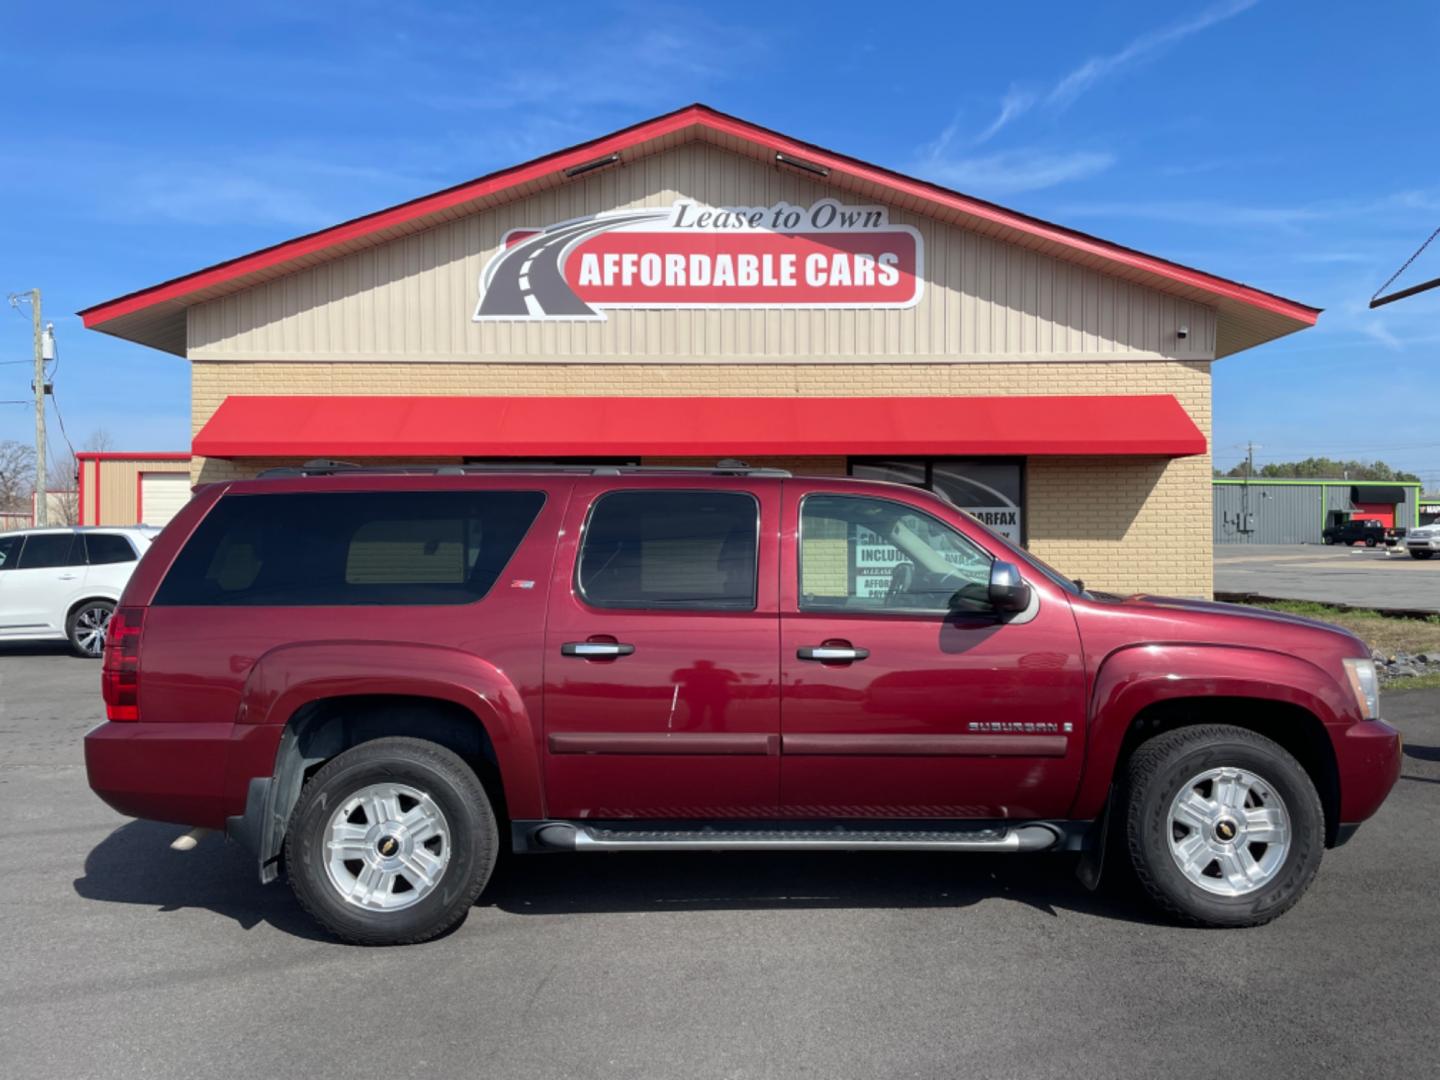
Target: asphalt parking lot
x: 1354, y: 576
x: 125, y: 959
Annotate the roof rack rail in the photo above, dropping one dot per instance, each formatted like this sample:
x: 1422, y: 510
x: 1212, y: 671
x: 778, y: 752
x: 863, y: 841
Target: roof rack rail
x: 325, y: 467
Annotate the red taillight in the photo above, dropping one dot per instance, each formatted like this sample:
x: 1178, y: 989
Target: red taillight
x: 120, y: 672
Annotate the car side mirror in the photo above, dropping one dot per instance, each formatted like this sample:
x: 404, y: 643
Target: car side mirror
x: 1008, y: 591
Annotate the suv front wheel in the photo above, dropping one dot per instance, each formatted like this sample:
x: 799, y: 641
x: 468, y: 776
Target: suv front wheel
x: 1224, y: 826
x: 391, y: 842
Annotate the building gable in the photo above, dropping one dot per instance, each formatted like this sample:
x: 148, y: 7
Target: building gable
x: 415, y: 297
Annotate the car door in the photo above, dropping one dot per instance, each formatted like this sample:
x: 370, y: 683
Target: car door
x: 48, y: 578
x: 9, y: 559
x: 661, y: 673
x: 903, y: 694
x: 110, y: 560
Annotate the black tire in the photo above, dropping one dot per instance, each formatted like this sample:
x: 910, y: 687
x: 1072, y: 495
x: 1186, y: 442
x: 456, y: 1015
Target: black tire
x: 81, y: 626
x: 1369, y: 541
x: 1158, y: 770
x: 1416, y: 553
x: 1328, y: 541
x: 452, y: 786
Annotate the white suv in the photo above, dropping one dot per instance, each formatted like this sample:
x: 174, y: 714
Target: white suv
x: 62, y: 584
x: 1423, y: 542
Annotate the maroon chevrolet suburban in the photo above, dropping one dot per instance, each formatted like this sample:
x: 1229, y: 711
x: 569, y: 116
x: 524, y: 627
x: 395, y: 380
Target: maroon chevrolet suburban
x: 365, y: 675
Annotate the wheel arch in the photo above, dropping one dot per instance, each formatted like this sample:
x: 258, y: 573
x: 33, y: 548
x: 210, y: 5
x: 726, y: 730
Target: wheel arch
x: 324, y: 727
x: 1142, y: 691
x: 1291, y: 726
x: 113, y: 601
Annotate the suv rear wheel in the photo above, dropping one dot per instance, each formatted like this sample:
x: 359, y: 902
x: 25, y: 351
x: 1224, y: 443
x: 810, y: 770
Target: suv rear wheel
x: 87, y: 625
x: 1224, y: 826
x: 391, y: 842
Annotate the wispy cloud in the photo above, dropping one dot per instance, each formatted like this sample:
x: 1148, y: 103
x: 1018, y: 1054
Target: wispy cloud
x: 1098, y: 68
x: 1016, y: 102
x: 1069, y: 88
x: 1013, y: 171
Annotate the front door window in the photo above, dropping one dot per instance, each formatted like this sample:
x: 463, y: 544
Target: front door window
x: 988, y: 488
x: 868, y: 555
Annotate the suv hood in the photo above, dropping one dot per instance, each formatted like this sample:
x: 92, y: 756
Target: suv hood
x: 1245, y: 625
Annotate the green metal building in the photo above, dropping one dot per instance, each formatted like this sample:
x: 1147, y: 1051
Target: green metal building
x: 1266, y: 511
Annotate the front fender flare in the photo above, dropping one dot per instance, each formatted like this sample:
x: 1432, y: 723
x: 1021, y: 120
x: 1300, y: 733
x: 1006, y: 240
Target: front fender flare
x: 1136, y: 677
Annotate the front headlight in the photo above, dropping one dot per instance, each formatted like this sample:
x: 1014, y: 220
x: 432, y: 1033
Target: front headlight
x: 1365, y: 684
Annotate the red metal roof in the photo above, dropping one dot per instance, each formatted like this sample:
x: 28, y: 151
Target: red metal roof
x: 1276, y: 315
x: 553, y: 427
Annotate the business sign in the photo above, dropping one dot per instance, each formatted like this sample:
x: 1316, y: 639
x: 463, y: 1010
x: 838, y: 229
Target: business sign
x: 828, y: 255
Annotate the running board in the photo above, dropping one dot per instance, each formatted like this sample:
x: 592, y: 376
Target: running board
x: 570, y: 836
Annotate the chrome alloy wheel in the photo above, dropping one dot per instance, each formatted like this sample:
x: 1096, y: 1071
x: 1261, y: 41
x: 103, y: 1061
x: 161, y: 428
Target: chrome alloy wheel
x: 386, y: 847
x: 90, y: 626
x: 1229, y: 831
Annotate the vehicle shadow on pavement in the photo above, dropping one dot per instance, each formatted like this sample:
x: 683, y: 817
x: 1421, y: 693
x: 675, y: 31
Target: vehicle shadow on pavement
x: 1422, y: 753
x: 45, y: 648
x: 761, y: 881
x: 135, y: 865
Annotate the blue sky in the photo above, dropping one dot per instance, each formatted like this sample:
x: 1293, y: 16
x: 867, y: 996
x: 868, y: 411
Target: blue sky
x: 1289, y: 146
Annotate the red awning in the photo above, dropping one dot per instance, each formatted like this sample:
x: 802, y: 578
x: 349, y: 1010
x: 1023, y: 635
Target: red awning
x: 555, y: 427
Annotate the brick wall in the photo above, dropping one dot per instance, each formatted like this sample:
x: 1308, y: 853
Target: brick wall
x: 1121, y: 524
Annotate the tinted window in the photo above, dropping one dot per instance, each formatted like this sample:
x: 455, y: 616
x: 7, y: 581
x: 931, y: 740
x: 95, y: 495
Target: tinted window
x: 412, y: 547
x: 101, y: 548
x: 52, y: 549
x: 10, y: 551
x: 671, y: 549
x: 874, y: 555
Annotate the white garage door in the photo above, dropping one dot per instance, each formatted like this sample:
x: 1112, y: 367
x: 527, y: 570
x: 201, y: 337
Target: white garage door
x: 162, y: 495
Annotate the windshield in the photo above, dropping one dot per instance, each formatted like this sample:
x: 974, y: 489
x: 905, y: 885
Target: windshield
x: 1070, y: 585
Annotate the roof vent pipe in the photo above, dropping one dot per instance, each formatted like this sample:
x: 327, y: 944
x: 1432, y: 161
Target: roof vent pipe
x: 591, y: 166
x: 803, y: 166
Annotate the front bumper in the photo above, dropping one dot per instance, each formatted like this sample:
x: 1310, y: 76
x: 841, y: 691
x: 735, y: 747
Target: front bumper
x: 1368, y: 755
x: 164, y: 772
x: 1416, y: 543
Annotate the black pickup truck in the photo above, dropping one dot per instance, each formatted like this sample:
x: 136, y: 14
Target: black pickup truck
x: 1358, y: 531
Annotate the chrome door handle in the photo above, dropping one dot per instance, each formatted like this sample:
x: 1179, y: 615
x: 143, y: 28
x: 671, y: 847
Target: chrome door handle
x: 831, y: 652
x: 593, y: 650
x: 68, y: 577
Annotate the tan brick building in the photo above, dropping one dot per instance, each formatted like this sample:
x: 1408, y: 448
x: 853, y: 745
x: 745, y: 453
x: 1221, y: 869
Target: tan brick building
x: 697, y: 287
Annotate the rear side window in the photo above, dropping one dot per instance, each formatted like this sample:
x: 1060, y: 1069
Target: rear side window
x: 10, y: 551
x: 671, y: 549
x: 103, y: 548
x: 44, y: 550
x: 410, y: 547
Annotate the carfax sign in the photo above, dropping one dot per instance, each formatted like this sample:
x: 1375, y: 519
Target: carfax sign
x: 828, y: 255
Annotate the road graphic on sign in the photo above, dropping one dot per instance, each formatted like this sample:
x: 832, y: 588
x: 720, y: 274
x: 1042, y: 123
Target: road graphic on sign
x: 528, y: 280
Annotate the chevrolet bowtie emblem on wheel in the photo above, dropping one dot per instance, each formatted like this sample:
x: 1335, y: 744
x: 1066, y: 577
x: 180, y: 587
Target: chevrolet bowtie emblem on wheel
x: 388, y: 846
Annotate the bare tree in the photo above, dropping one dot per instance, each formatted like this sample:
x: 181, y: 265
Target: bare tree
x: 63, y: 478
x: 100, y: 439
x: 17, y: 476
x: 62, y: 484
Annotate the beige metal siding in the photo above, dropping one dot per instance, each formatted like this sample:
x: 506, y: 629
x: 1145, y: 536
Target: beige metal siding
x: 117, y: 487
x: 414, y: 297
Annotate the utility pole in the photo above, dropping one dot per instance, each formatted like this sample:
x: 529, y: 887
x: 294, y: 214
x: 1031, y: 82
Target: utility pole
x: 42, y: 499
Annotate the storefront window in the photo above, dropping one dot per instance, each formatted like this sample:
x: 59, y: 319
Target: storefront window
x: 989, y: 488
